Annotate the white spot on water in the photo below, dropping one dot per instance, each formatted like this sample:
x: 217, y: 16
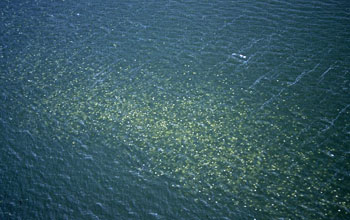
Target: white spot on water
x: 239, y: 55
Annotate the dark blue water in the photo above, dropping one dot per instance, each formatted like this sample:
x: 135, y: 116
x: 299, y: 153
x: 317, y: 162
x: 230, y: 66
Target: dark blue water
x: 174, y: 109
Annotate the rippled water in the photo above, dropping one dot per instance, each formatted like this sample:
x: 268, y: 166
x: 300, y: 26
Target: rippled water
x: 175, y: 109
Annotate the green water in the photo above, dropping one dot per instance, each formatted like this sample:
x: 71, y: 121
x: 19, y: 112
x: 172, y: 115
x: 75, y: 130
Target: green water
x: 174, y: 110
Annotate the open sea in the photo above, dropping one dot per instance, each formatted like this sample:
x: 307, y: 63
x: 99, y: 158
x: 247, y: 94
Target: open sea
x: 174, y: 109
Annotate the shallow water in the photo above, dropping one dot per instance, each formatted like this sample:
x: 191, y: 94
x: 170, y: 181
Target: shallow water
x: 174, y: 110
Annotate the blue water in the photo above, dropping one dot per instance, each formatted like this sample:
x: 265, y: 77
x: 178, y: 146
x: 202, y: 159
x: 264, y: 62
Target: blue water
x: 174, y: 109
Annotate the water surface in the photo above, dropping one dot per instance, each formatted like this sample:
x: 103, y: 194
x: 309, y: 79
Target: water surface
x: 174, y: 109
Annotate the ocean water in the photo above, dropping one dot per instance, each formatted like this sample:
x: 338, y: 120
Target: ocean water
x: 175, y: 109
